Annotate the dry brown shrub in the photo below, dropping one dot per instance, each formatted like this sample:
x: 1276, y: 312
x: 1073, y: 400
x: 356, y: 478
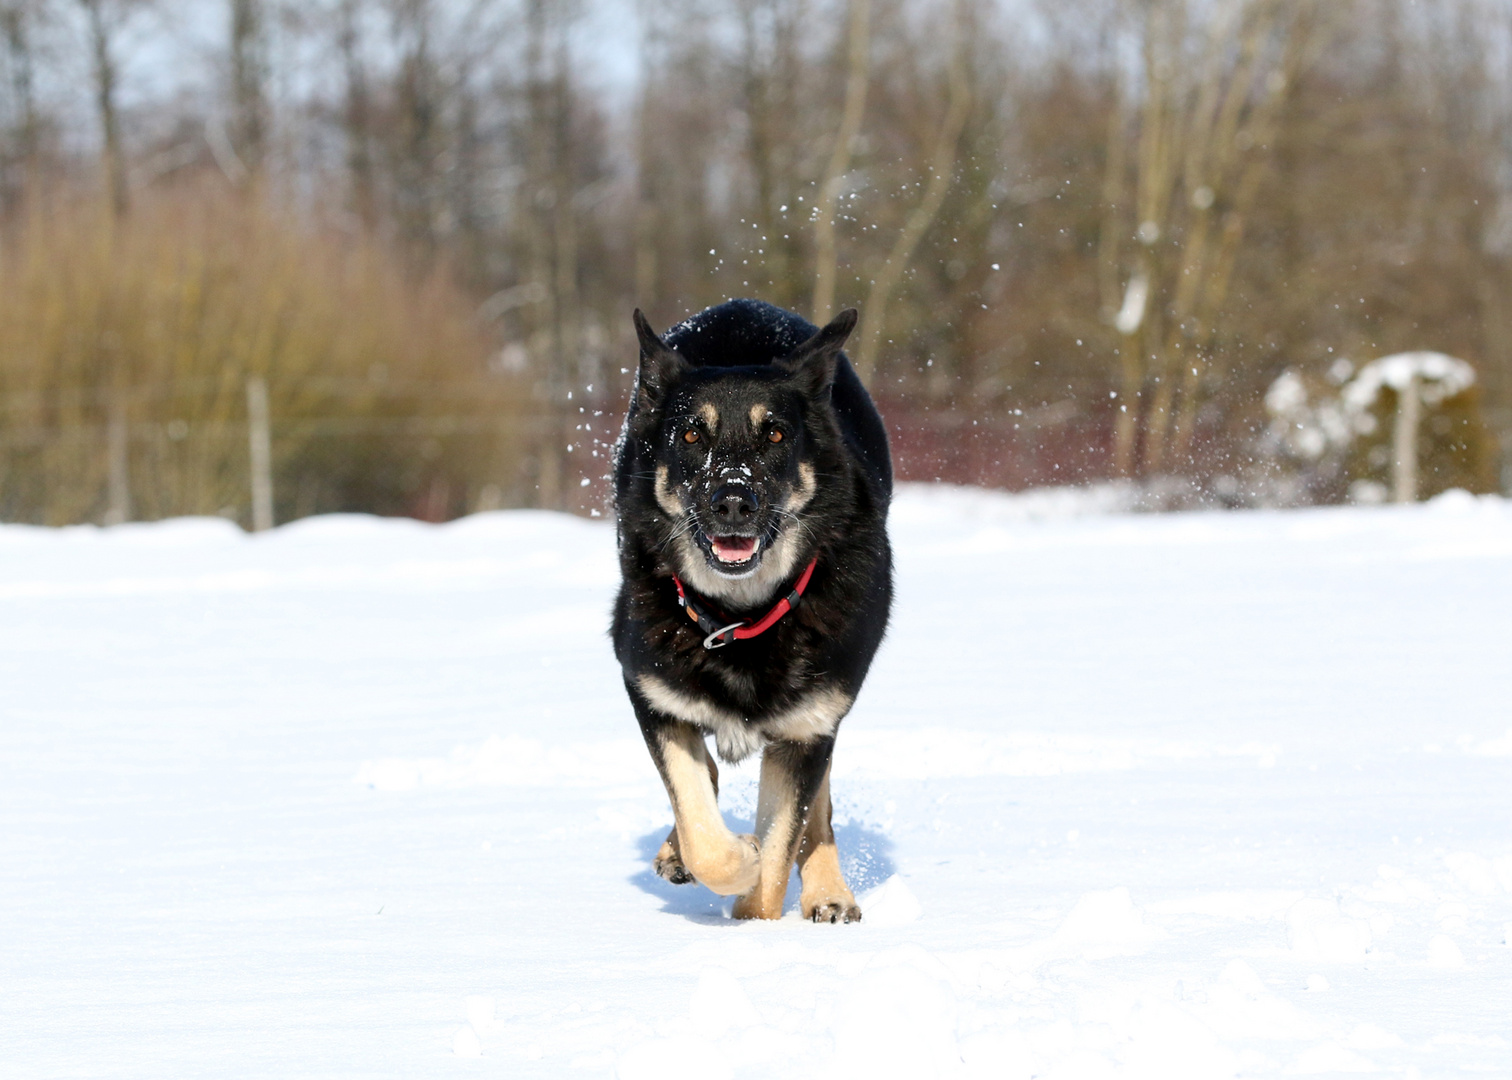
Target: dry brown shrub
x: 380, y: 391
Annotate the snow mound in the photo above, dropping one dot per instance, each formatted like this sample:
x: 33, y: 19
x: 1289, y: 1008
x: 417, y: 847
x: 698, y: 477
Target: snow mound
x: 898, y: 1018
x: 1104, y: 924
x: 1441, y: 377
x: 1444, y: 953
x: 929, y: 504
x: 932, y: 753
x: 1501, y: 746
x: 510, y: 761
x: 1240, y: 1004
x: 891, y: 903
x: 1256, y: 904
x: 1332, y: 1058
x: 1318, y: 930
x: 465, y: 1042
x: 719, y: 1003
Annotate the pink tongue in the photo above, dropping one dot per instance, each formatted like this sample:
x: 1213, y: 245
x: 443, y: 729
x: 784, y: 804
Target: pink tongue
x: 733, y: 548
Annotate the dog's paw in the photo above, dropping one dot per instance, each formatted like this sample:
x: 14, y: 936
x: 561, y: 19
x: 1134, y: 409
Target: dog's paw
x: 835, y: 911
x: 741, y: 868
x: 669, y: 866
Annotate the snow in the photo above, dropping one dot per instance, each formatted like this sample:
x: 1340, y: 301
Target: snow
x: 1131, y: 313
x: 1309, y: 423
x: 1441, y: 376
x: 1186, y: 795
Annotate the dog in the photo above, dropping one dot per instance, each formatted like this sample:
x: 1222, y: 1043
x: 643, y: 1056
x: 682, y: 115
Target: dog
x: 751, y: 488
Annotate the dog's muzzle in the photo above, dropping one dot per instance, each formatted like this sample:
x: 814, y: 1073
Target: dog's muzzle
x: 733, y: 533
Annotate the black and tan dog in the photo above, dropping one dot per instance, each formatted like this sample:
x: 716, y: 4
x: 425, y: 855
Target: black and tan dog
x: 751, y: 487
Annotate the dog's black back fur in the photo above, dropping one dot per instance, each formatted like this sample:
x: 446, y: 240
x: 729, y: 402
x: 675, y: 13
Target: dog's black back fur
x: 834, y: 633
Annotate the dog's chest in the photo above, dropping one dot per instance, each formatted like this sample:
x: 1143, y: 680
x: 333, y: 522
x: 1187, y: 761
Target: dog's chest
x: 802, y: 718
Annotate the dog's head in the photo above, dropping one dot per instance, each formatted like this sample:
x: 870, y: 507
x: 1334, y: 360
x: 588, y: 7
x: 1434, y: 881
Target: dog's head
x: 737, y: 453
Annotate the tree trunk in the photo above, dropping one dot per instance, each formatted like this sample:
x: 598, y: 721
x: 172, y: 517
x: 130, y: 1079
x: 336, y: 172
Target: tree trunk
x: 249, y: 76
x: 941, y: 172
x: 15, y: 25
x: 825, y: 257
x: 357, y: 110
x: 106, y: 78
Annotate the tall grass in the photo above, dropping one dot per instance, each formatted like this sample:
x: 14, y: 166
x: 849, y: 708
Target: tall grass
x: 380, y: 391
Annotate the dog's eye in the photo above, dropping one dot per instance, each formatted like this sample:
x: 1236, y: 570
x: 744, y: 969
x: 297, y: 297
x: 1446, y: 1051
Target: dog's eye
x: 774, y: 436
x: 690, y: 436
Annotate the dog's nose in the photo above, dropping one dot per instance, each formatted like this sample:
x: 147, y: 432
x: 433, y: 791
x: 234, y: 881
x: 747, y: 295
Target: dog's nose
x: 734, y: 505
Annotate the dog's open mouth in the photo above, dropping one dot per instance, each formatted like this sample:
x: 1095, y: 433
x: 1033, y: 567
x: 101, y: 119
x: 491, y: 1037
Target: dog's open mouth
x: 734, y: 550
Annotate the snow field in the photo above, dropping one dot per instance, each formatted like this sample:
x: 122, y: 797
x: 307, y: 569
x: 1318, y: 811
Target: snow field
x: 1181, y: 796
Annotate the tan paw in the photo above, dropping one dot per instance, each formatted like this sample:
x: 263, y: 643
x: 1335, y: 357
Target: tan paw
x: 668, y: 864
x: 750, y: 863
x: 731, y: 871
x: 832, y: 911
x: 753, y: 906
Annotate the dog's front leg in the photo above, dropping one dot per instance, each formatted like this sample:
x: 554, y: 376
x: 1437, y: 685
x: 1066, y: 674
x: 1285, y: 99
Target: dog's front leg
x: 792, y: 774
x: 715, y: 856
x: 668, y: 863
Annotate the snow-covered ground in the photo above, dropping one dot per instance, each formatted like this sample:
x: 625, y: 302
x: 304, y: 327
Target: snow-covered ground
x: 1174, y: 796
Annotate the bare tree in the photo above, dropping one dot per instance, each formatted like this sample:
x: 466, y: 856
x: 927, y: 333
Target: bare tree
x: 19, y: 21
x: 104, y: 20
x: 773, y: 80
x: 418, y: 121
x: 941, y: 172
x: 249, y: 83
x: 553, y: 177
x: 356, y: 112
x: 1206, y: 116
x: 857, y: 75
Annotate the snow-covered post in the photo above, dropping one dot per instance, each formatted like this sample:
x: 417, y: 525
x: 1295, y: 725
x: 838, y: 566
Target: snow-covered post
x: 261, y: 446
x: 1404, y: 467
x: 118, y: 464
x: 1420, y: 379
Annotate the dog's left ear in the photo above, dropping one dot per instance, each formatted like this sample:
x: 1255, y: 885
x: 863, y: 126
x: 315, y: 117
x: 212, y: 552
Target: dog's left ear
x: 660, y: 366
x: 814, y: 362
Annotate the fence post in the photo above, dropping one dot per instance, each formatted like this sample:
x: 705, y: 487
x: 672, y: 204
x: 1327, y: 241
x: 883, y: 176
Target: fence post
x: 261, y: 446
x: 1404, y: 440
x: 118, y: 464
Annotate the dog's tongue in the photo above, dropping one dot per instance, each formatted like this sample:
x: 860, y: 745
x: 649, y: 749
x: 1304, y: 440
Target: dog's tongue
x: 733, y: 548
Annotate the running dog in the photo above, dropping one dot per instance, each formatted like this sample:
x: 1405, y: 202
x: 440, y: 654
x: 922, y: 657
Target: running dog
x: 752, y: 483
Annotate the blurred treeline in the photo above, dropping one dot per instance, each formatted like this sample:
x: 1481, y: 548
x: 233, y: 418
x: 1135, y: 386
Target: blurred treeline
x: 1085, y: 236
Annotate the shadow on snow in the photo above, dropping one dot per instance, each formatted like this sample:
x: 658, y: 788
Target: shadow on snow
x: 865, y: 857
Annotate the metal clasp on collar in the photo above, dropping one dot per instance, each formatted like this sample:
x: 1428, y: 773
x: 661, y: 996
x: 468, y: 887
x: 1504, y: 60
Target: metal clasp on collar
x: 716, y: 640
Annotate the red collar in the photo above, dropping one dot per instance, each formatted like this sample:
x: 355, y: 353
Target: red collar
x: 720, y: 634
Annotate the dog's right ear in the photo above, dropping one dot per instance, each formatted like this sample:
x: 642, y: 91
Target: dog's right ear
x: 660, y: 366
x: 815, y: 360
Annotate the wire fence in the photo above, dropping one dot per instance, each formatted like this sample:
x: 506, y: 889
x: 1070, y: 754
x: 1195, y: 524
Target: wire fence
x: 436, y: 450
x: 427, y: 449
x: 277, y: 450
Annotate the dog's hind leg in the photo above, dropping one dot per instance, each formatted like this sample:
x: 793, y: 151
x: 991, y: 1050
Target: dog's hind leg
x: 791, y: 775
x: 669, y: 862
x: 825, y: 896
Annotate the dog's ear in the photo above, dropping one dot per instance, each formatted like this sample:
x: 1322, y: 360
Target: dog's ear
x: 660, y: 366
x: 813, y: 363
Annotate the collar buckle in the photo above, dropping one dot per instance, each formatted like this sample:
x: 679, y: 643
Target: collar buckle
x: 722, y: 637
